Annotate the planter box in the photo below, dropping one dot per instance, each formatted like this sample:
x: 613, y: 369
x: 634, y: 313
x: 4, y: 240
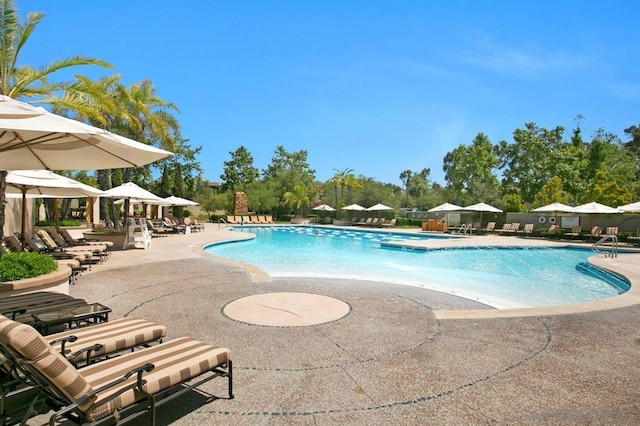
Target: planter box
x: 57, y: 281
x: 118, y: 238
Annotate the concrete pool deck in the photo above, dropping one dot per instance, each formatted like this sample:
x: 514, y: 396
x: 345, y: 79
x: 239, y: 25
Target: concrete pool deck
x: 402, y: 355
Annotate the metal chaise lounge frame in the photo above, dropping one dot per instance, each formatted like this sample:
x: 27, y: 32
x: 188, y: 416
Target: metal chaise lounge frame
x: 123, y: 387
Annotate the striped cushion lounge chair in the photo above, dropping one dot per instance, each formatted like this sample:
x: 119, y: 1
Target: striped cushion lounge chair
x: 120, y: 388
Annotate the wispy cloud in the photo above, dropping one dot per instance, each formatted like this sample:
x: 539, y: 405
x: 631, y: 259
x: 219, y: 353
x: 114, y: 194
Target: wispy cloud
x: 523, y: 61
x: 623, y: 91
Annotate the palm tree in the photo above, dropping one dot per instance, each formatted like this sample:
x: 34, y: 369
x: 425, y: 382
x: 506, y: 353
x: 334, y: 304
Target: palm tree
x: 352, y: 182
x: 24, y: 81
x: 338, y: 181
x: 297, y: 198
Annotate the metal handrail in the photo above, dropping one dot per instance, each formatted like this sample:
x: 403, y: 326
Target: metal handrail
x: 614, y: 245
x: 221, y: 221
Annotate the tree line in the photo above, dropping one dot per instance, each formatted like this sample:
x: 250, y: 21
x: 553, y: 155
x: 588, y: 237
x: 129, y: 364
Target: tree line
x: 539, y: 166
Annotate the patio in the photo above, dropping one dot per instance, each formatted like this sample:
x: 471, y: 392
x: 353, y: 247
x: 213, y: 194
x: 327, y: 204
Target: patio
x: 391, y: 360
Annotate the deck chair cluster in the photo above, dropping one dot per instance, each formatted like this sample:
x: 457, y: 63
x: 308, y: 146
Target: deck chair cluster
x: 119, y: 369
x: 77, y: 254
x: 249, y: 220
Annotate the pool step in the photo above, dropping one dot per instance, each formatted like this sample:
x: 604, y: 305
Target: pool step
x: 617, y: 281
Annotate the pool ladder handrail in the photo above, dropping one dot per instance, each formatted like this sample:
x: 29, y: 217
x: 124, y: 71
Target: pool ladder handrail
x: 614, y: 245
x: 221, y: 221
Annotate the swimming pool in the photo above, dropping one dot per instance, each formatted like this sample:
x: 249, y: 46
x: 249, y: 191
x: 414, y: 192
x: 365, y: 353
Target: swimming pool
x: 500, y: 277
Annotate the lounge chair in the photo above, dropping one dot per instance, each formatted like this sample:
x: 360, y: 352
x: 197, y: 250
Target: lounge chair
x: 506, y: 228
x: 84, y: 259
x: 528, y: 229
x: 576, y: 231
x: 269, y: 219
x: 491, y: 226
x: 119, y: 388
x: 91, y: 255
x: 157, y: 230
x: 64, y: 233
x: 231, y: 220
x: 390, y: 224
x: 595, y: 233
x: 612, y: 230
x: 553, y: 229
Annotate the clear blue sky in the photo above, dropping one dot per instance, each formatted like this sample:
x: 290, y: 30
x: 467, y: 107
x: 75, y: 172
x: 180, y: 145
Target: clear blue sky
x: 376, y: 86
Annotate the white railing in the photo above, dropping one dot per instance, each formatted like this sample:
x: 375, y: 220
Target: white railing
x: 220, y: 222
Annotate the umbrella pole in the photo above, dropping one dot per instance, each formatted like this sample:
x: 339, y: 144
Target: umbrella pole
x: 24, y: 217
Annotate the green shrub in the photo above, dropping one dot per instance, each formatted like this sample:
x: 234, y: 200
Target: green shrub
x: 65, y: 222
x: 16, y: 266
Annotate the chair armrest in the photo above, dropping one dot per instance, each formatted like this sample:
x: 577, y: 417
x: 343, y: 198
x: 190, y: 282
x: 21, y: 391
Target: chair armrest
x: 63, y: 341
x: 14, y: 312
x: 138, y: 384
x: 89, y: 351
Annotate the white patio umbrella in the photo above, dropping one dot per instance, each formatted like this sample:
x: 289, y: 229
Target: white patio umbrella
x: 45, y: 184
x: 324, y: 208
x: 178, y: 201
x: 130, y: 191
x: 594, y: 208
x: 33, y: 138
x: 445, y: 208
x: 354, y: 208
x: 379, y: 207
x: 554, y: 208
x: 482, y: 207
x: 630, y: 208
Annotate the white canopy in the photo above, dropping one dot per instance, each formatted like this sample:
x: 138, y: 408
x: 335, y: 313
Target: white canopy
x: 378, y: 207
x: 46, y: 184
x: 446, y: 207
x: 353, y: 207
x: 132, y: 191
x: 630, y: 208
x: 482, y: 207
x: 33, y: 138
x: 178, y: 201
x: 324, y: 208
x: 553, y: 208
x: 595, y: 208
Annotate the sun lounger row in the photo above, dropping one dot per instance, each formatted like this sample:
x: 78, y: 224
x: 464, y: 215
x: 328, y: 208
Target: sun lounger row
x: 119, y: 387
x: 375, y: 222
x: 249, y: 220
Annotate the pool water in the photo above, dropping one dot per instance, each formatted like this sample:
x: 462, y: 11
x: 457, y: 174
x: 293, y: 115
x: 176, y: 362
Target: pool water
x: 500, y: 277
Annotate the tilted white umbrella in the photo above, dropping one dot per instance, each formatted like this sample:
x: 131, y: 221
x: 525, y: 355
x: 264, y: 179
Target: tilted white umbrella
x: 446, y: 207
x: 178, y: 201
x: 324, y: 208
x: 45, y: 184
x: 33, y: 138
x: 630, y: 208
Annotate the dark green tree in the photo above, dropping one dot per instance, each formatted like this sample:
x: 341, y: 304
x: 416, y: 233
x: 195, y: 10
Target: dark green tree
x: 239, y: 171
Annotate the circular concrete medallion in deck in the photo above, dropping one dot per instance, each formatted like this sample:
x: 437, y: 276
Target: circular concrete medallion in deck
x: 286, y: 309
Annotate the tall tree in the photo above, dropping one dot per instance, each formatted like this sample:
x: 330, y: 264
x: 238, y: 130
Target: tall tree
x: 239, y: 171
x: 25, y: 81
x: 470, y: 168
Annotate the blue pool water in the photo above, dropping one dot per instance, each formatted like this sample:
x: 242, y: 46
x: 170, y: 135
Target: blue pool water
x: 501, y: 277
